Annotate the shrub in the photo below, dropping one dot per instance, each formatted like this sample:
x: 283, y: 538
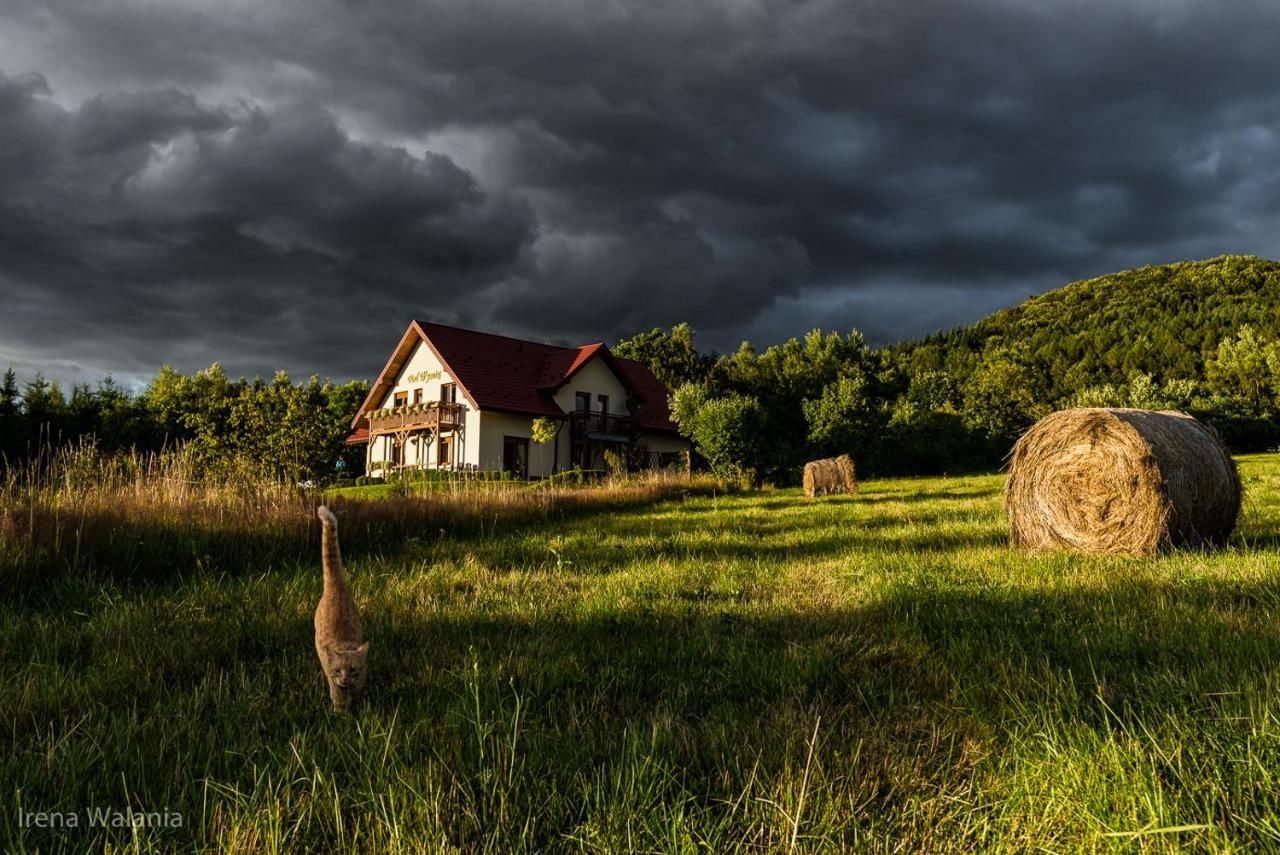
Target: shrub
x: 727, y: 433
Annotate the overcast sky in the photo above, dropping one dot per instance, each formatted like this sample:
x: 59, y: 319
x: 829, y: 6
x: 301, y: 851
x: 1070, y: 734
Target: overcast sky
x: 285, y: 184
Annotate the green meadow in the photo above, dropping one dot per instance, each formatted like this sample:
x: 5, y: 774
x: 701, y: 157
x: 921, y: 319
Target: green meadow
x: 705, y: 671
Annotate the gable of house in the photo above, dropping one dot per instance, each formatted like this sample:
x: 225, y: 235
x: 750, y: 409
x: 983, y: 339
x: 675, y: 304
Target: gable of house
x: 594, y: 378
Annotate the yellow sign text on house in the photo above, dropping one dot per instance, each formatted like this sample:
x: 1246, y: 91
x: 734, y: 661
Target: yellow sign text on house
x: 422, y: 376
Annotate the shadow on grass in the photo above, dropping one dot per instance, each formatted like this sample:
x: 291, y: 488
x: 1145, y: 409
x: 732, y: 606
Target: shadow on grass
x: 598, y: 558
x: 1141, y: 649
x: 917, y: 497
x: 1258, y: 539
x: 913, y: 692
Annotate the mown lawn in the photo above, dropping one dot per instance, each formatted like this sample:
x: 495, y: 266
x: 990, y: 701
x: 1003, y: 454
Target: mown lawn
x: 751, y: 672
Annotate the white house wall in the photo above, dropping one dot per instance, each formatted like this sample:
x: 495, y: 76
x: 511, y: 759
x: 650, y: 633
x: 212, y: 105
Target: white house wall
x: 495, y: 426
x: 422, y: 370
x: 663, y: 443
x: 420, y: 362
x: 595, y: 378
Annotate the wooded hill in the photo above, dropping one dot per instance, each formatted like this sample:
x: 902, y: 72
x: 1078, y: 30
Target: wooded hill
x: 1166, y: 321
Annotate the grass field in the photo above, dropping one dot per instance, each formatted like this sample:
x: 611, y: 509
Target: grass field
x: 743, y: 672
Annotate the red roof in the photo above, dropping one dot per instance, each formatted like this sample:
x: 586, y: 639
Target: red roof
x: 510, y: 375
x: 559, y: 367
x: 360, y: 435
x: 499, y: 373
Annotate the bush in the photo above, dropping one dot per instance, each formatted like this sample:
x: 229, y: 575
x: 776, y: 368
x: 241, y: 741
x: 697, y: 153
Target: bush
x: 923, y: 442
x: 415, y: 477
x: 727, y: 433
x: 1244, y: 425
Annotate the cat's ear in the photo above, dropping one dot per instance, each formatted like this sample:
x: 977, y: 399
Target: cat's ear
x: 330, y: 654
x: 362, y: 649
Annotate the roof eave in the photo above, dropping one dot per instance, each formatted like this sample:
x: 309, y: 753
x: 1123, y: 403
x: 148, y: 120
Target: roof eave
x: 377, y: 383
x: 377, y: 391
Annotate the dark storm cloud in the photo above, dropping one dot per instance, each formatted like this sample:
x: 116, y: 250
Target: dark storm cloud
x: 289, y: 182
x: 145, y: 223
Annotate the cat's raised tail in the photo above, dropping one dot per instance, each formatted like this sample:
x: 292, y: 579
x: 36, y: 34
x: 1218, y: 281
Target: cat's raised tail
x: 334, y: 574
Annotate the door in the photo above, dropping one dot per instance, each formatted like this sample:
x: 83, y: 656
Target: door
x: 515, y: 456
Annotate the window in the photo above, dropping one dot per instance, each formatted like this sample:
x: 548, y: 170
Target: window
x: 604, y: 403
x: 417, y: 396
x: 449, y: 393
x: 583, y: 404
x: 444, y: 451
x: 401, y: 399
x: 515, y: 456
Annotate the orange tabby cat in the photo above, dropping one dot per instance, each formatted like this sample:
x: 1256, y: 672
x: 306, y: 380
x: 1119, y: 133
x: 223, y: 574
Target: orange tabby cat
x: 340, y: 640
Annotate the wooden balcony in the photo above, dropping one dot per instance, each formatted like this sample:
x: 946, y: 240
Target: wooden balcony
x: 594, y: 424
x: 434, y: 415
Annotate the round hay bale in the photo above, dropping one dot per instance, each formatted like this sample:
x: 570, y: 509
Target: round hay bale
x: 1121, y: 482
x: 830, y: 475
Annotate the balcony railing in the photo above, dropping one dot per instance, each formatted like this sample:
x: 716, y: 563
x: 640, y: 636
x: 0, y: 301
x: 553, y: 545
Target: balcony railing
x: 437, y: 415
x: 585, y: 423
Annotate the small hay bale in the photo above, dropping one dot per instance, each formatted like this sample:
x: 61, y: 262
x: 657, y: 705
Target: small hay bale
x: 1121, y: 482
x: 830, y: 475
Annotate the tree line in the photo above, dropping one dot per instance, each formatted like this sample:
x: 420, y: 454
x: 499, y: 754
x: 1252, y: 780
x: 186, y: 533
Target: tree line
x: 256, y: 428
x: 1197, y: 336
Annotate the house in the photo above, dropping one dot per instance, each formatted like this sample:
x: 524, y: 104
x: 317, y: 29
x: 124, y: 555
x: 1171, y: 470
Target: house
x: 450, y: 398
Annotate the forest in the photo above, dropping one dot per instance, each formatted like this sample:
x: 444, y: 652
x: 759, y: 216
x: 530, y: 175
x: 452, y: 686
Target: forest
x: 1196, y: 336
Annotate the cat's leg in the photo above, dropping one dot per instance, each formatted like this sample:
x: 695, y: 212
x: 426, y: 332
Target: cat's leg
x: 341, y: 699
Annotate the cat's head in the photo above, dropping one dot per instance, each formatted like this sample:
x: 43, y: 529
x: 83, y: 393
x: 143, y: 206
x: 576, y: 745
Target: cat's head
x: 346, y: 669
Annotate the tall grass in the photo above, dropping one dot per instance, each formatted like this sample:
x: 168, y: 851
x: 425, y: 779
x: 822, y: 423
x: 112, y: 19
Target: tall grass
x: 135, y: 516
